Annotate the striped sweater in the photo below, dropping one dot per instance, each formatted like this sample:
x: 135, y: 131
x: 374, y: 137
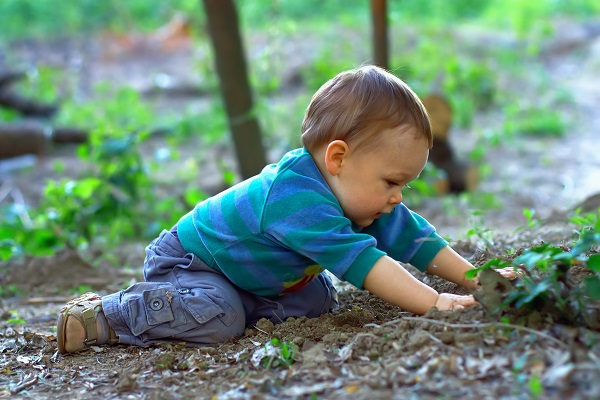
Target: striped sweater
x: 275, y: 232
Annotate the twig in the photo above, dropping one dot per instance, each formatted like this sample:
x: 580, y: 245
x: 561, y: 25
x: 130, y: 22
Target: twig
x: 28, y: 380
x: 488, y: 325
x: 260, y: 330
x: 53, y: 299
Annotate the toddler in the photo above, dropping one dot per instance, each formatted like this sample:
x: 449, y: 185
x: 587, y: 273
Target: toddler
x: 261, y: 248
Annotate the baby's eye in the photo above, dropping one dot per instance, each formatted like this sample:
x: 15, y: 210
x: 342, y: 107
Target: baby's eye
x: 391, y: 183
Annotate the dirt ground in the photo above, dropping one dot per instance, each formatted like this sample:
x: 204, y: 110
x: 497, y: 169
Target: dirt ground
x: 366, y: 349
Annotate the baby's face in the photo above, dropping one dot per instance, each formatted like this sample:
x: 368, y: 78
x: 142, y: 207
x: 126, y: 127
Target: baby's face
x: 370, y: 184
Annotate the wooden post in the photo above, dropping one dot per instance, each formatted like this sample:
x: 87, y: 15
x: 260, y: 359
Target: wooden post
x: 231, y: 67
x: 380, y: 32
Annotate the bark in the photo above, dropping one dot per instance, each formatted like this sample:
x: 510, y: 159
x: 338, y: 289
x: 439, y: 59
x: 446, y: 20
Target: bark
x: 231, y: 67
x: 20, y: 139
x: 380, y: 33
x: 11, y: 99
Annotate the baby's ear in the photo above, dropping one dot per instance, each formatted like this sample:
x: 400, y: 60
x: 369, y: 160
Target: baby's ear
x: 334, y: 156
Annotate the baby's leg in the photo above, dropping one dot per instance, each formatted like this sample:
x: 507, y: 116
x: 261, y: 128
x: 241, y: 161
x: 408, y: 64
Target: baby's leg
x: 183, y: 300
x: 316, y: 298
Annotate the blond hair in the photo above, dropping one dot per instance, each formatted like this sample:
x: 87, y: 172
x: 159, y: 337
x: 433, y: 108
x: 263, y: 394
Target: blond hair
x: 357, y: 105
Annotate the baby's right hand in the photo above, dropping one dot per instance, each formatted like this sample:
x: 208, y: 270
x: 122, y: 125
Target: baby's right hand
x: 447, y: 301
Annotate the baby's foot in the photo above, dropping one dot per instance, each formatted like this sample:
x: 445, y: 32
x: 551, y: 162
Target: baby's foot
x: 81, y: 324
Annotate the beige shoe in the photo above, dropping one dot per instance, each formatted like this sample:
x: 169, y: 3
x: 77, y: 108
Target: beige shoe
x: 81, y: 324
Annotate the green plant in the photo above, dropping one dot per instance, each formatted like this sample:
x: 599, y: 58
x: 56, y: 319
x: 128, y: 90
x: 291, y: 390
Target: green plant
x: 81, y: 289
x: 15, y: 319
x: 9, y: 290
x: 586, y: 219
x: 275, y: 354
x: 114, y: 198
x: 529, y: 214
x: 535, y: 386
x: 41, y: 18
x: 545, y: 284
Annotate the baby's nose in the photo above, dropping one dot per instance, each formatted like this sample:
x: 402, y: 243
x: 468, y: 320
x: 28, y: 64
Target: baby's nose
x: 396, y: 198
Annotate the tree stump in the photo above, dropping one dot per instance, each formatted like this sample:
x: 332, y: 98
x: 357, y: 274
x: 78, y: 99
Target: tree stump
x: 462, y: 176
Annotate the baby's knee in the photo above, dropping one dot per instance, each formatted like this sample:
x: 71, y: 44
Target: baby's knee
x: 216, y: 319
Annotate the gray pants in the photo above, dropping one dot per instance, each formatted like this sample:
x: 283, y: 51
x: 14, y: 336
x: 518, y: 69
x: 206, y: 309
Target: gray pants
x: 183, y: 299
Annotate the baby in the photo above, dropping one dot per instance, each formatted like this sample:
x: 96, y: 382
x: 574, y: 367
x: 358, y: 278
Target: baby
x: 261, y: 248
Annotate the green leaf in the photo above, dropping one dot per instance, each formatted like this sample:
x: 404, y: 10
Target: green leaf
x: 593, y: 262
x: 7, y: 249
x: 535, y: 386
x: 493, y: 263
x: 592, y: 287
x: 194, y: 195
x: 537, y: 289
x: 472, y: 273
x: 85, y: 188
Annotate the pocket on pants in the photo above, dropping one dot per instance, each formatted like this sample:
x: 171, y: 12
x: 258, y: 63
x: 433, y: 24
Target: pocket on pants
x: 203, y: 308
x: 158, y: 306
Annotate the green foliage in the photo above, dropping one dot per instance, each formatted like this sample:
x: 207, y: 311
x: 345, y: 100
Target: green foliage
x: 9, y: 290
x: 114, y: 198
x: 468, y: 83
x: 545, y: 283
x: 533, y: 121
x: 15, y: 319
x: 520, y: 16
x: 278, y: 354
x: 42, y: 18
x: 535, y: 386
x: 529, y: 214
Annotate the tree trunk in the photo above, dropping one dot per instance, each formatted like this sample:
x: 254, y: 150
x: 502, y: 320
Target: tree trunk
x: 231, y: 67
x: 19, y: 139
x: 380, y: 32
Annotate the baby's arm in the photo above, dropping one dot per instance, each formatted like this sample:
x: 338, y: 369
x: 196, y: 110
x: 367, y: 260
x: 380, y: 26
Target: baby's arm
x: 389, y: 281
x: 449, y: 265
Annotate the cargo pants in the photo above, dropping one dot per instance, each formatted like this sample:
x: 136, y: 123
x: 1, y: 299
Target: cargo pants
x: 185, y: 300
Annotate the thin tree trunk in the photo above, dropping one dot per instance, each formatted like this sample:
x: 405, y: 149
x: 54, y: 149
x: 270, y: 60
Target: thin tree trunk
x: 380, y: 32
x: 231, y: 67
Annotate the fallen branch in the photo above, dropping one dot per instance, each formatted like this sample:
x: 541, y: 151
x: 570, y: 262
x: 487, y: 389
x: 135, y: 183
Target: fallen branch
x: 11, y: 99
x: 27, y: 381
x: 31, y: 137
x: 472, y: 326
x: 52, y: 299
x: 486, y: 325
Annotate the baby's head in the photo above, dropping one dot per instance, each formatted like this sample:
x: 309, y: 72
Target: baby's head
x: 357, y: 105
x: 369, y: 135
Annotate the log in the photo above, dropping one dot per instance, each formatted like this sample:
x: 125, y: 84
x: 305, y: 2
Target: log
x: 30, y: 137
x: 30, y: 108
x: 22, y: 138
x: 8, y: 78
x: 462, y: 176
x: 14, y: 101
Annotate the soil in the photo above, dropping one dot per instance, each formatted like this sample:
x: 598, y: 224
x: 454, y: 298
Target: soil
x: 366, y: 349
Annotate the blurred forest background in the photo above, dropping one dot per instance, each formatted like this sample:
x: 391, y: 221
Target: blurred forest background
x: 113, y: 125
x: 135, y: 131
